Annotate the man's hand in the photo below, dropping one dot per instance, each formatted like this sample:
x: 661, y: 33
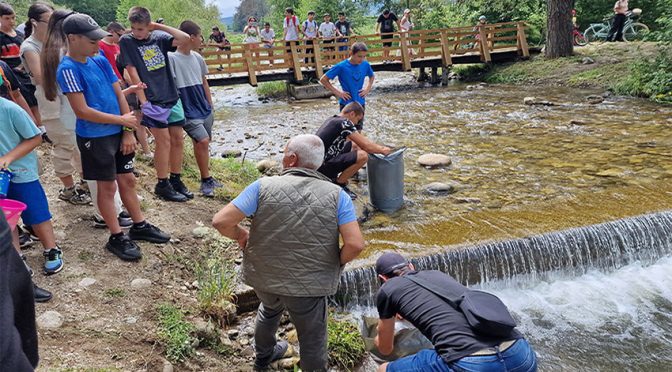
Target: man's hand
x: 128, y: 143
x: 385, y: 150
x: 364, y: 92
x: 129, y: 120
x: 344, y: 95
x: 243, y: 237
x: 5, y: 161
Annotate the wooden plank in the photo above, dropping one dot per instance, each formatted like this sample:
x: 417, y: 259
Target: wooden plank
x: 485, y: 48
x: 317, y: 50
x: 405, y: 56
x: 296, y: 63
x: 522, y: 40
x: 446, y: 59
x: 249, y: 63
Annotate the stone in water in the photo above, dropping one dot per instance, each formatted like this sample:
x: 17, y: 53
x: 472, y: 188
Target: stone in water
x: 434, y: 160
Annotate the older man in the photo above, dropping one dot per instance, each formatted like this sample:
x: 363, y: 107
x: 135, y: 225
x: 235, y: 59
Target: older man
x: 291, y: 255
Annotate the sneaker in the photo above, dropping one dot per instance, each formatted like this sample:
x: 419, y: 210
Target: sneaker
x: 25, y: 240
x: 220, y: 68
x: 351, y: 194
x: 25, y: 263
x: 84, y: 187
x: 278, y: 353
x: 125, y: 221
x: 149, y: 233
x: 180, y: 187
x: 53, y: 261
x: 168, y: 193
x: 124, y: 248
x: 29, y: 230
x: 41, y: 295
x: 74, y: 196
x: 207, y: 189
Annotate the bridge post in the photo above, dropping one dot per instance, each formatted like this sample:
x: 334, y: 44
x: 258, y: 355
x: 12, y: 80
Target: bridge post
x: 250, y: 66
x: 296, y: 61
x: 446, y: 58
x: 485, y: 45
x: 405, y: 56
x: 317, y: 52
x: 522, y: 40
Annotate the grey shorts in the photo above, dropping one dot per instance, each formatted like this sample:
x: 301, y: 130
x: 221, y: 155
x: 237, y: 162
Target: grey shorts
x: 199, y: 129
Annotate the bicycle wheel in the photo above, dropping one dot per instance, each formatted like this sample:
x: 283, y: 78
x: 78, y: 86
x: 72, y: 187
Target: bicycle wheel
x: 590, y: 34
x: 580, y: 40
x: 636, y: 31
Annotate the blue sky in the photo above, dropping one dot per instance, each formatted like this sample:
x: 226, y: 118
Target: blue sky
x: 226, y: 7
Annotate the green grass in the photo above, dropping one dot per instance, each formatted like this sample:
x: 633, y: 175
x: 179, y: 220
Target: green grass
x: 175, y: 333
x: 346, y: 347
x: 272, y: 89
x: 114, y: 293
x: 216, y: 279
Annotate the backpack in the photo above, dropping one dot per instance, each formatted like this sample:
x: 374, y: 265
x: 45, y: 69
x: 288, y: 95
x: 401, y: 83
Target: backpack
x: 485, y: 312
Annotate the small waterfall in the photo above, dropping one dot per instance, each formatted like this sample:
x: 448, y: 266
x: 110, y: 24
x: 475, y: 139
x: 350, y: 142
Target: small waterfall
x: 606, y: 246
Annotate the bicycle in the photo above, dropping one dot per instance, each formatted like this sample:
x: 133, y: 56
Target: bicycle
x: 578, y: 38
x: 631, y: 30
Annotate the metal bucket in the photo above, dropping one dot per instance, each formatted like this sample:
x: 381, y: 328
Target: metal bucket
x: 386, y: 180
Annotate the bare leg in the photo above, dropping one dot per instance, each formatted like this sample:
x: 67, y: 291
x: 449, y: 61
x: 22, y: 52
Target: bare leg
x: 126, y: 184
x: 45, y: 231
x: 93, y: 189
x: 106, y: 191
x: 176, y: 149
x: 202, y: 154
x: 161, y: 152
x: 362, y: 157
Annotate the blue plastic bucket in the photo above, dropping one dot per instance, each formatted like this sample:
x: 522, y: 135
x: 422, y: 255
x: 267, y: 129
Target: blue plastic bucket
x: 5, y: 177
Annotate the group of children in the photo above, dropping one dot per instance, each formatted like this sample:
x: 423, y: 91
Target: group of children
x: 96, y: 91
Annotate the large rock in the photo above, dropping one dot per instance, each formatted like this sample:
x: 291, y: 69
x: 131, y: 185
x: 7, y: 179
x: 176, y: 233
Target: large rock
x: 141, y: 283
x: 308, y: 91
x: 267, y: 166
x: 50, y: 320
x: 439, y: 188
x: 87, y: 282
x: 231, y: 153
x: 594, y: 100
x: 434, y: 160
x: 533, y: 101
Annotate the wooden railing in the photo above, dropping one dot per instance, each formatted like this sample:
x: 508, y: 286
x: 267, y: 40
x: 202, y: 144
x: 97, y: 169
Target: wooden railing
x: 439, y: 44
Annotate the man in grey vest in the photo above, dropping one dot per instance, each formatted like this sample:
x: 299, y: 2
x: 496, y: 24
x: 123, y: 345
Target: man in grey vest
x: 291, y: 254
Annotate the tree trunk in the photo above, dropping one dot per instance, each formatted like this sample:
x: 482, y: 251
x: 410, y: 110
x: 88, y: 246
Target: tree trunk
x: 559, y: 35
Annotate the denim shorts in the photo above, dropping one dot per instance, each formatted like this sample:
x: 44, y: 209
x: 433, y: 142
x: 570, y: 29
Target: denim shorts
x: 32, y: 195
x: 518, y: 358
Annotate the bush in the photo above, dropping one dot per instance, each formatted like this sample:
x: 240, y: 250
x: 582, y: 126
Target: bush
x: 175, y: 333
x: 649, y: 78
x: 217, y: 280
x: 272, y: 89
x: 346, y: 347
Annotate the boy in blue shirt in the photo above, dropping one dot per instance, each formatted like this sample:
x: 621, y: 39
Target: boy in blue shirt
x: 189, y: 70
x: 104, y: 132
x: 19, y: 136
x: 351, y: 73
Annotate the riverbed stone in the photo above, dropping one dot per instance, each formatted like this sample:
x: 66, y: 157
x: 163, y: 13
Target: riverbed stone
x: 267, y: 165
x: 587, y: 61
x: 534, y: 101
x: 87, y: 282
x: 439, y: 188
x: 50, y: 320
x: 141, y: 283
x: 231, y: 153
x: 594, y: 99
x: 434, y: 160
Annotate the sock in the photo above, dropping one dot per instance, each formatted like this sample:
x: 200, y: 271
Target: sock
x: 206, y: 179
x: 163, y: 182
x: 117, y: 235
x: 139, y: 225
x: 174, y: 176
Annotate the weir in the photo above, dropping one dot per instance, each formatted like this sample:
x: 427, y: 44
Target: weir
x: 606, y: 246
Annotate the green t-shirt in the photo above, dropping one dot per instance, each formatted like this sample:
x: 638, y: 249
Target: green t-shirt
x: 15, y: 128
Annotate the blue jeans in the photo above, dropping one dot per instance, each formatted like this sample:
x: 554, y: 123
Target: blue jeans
x: 518, y: 358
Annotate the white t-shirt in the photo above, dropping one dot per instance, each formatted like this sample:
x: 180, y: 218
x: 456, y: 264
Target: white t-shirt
x: 310, y: 28
x: 291, y: 27
x: 328, y: 30
x: 267, y: 36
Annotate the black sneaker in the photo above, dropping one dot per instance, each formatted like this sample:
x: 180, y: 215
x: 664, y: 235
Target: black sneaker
x: 168, y: 193
x: 180, y: 187
x: 148, y: 233
x: 125, y: 221
x: 25, y: 240
x: 124, y: 248
x: 41, y: 295
x: 31, y: 233
x: 278, y: 353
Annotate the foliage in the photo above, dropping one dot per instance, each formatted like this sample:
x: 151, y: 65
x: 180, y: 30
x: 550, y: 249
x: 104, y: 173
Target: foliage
x: 247, y: 8
x: 595, y: 11
x: 650, y: 78
x: 356, y: 11
x: 175, y: 333
x: 663, y: 31
x: 216, y: 279
x: 346, y: 347
x: 175, y: 11
x: 272, y: 89
x: 103, y: 11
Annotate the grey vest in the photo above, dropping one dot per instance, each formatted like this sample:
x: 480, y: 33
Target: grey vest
x: 293, y: 249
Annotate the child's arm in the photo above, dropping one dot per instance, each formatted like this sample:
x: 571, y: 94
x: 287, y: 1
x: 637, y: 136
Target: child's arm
x: 135, y: 80
x: 17, y: 97
x: 364, y: 92
x: 128, y: 141
x: 324, y: 80
x: 208, y: 93
x: 33, y: 62
x: 135, y: 88
x: 179, y: 37
x: 24, y: 148
x: 84, y: 112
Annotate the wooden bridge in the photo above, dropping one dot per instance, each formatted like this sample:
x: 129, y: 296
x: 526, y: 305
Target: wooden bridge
x: 296, y: 61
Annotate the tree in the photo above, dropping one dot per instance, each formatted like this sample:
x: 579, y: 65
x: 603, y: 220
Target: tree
x: 249, y: 8
x: 559, y: 33
x: 103, y: 11
x: 175, y: 11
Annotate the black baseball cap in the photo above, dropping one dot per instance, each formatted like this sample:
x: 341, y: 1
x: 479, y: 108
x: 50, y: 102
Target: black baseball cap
x: 389, y: 262
x: 82, y: 24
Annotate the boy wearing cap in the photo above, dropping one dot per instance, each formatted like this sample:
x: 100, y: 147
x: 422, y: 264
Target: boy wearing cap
x: 104, y: 132
x: 144, y: 53
x: 457, y: 346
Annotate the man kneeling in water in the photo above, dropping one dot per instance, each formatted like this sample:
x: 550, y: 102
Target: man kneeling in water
x: 338, y: 133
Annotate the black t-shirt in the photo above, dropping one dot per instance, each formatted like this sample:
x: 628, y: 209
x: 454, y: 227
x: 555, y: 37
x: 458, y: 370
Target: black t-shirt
x: 10, y: 47
x: 334, y: 134
x: 343, y: 27
x: 445, y: 327
x: 150, y: 58
x: 12, y: 82
x: 218, y: 38
x: 387, y: 24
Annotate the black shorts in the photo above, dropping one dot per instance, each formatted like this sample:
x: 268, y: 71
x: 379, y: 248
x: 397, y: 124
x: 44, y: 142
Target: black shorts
x: 28, y: 93
x: 387, y: 44
x: 102, y: 159
x: 334, y: 166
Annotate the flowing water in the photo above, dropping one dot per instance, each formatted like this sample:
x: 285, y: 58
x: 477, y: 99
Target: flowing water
x: 563, y: 211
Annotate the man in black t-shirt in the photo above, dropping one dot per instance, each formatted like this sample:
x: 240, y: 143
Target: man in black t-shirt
x: 385, y: 26
x: 456, y: 345
x: 344, y: 29
x: 338, y: 134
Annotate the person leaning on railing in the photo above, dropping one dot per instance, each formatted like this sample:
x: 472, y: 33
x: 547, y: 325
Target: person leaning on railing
x: 268, y: 39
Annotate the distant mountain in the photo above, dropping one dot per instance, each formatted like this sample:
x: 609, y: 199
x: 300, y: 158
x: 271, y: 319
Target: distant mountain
x: 228, y: 21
